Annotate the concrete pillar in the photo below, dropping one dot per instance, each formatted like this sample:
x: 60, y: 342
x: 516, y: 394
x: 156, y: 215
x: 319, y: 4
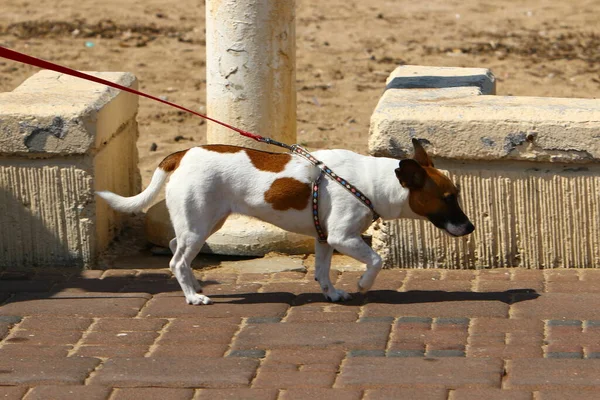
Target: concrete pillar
x: 250, y: 68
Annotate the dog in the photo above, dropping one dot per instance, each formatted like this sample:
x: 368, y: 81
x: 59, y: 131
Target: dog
x: 210, y: 182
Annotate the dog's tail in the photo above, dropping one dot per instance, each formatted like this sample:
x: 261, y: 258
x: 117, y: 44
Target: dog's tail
x: 142, y: 200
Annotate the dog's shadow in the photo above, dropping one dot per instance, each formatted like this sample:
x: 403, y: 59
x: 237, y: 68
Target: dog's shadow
x: 379, y: 297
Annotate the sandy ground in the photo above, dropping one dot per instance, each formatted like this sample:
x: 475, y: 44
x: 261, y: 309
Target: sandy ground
x: 345, y: 50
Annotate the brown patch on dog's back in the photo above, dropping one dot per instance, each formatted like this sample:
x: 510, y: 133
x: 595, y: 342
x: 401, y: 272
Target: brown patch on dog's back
x: 262, y: 160
x: 171, y: 162
x: 286, y: 193
x: 270, y: 162
x: 222, y: 148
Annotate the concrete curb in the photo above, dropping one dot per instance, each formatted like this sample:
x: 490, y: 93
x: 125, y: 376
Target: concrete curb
x: 529, y: 169
x: 61, y: 138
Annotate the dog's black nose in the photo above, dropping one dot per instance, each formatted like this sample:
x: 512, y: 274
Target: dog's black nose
x: 469, y: 228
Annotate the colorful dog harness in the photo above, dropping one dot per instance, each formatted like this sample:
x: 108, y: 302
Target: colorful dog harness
x: 302, y: 152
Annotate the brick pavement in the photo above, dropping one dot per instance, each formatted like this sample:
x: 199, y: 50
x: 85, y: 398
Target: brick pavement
x: 458, y: 335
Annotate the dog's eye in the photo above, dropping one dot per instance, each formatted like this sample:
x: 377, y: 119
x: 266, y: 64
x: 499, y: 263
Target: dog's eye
x: 450, y: 198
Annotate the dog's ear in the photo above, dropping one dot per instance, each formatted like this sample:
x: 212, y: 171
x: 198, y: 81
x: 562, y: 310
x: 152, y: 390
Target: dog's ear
x: 411, y: 174
x: 420, y: 155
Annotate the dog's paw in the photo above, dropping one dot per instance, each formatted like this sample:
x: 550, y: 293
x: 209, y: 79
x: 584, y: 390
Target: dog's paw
x: 198, y: 300
x: 364, y: 284
x: 338, y: 295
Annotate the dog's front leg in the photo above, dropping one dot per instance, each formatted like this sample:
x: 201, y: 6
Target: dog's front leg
x: 356, y: 248
x: 323, y: 254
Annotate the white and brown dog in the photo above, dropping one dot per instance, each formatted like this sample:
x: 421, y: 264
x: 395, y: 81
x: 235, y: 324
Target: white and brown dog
x: 209, y: 183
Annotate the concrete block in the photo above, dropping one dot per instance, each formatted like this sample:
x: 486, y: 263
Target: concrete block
x: 239, y: 236
x: 62, y: 138
x: 487, y: 128
x: 529, y: 171
x: 422, y: 77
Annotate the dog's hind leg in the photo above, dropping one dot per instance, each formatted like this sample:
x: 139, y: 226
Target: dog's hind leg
x: 197, y: 286
x: 188, y: 247
x: 323, y: 254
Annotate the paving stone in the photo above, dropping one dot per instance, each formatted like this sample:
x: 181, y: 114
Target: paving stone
x: 47, y: 323
x: 504, y: 325
x: 490, y: 394
x: 524, y: 274
x: 154, y: 274
x: 561, y: 275
x: 322, y: 313
x: 425, y: 274
x: 176, y: 307
x: 445, y: 352
x: 394, y: 352
x: 303, y: 357
x: 589, y: 274
x: 237, y: 394
x: 263, y: 320
x: 88, y: 274
x: 201, y: 331
x: 254, y: 278
x: 19, y: 350
x: 287, y: 378
x: 366, y: 353
x: 119, y: 338
x: 111, y: 351
x: 43, y: 338
x: 340, y: 335
x: 316, y: 393
x: 592, y: 286
x: 559, y: 305
x: 154, y: 393
x: 506, y: 352
x: 496, y: 274
x: 95, y: 305
x: 109, y: 285
x: 129, y: 324
x: 35, y: 370
x: 406, y: 393
x: 540, y: 374
x: 291, y: 289
x: 122, y: 274
x: 562, y: 394
x: 162, y: 288
x: 247, y: 353
x: 503, y: 286
x: 458, y: 275
x: 447, y: 373
x: 69, y: 392
x: 10, y: 319
x: 18, y: 286
x: 177, y: 372
x: 433, y: 285
x: 12, y: 392
x: 439, y: 304
x: 174, y: 350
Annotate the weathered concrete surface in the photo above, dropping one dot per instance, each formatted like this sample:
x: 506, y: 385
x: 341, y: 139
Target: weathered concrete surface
x: 251, y: 70
x: 482, y: 128
x: 534, y: 215
x: 61, y: 138
x: 529, y: 171
x: 239, y: 236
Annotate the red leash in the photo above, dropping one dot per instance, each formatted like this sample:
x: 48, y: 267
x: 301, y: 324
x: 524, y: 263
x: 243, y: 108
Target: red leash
x: 36, y: 62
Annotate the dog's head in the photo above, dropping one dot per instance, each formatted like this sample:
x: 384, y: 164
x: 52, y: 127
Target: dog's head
x: 432, y: 194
